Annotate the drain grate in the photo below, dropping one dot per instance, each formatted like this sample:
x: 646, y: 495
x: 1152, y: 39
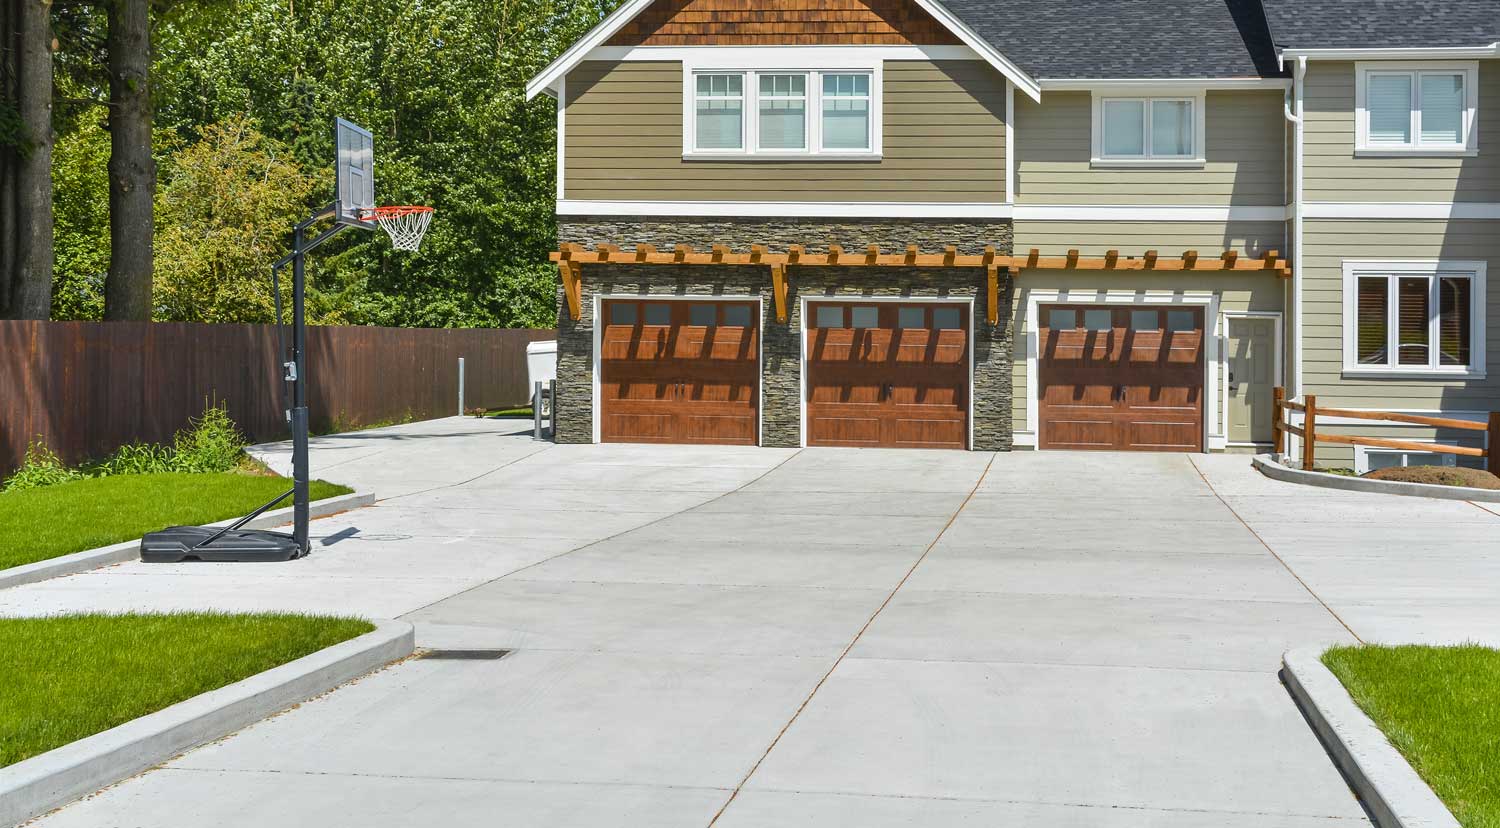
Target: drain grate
x: 464, y: 655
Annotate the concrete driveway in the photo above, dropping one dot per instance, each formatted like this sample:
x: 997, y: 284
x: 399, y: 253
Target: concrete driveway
x: 752, y: 637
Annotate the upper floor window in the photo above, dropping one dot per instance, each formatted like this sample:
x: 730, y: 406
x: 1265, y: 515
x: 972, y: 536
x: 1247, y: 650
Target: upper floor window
x: 1425, y: 108
x: 782, y: 113
x: 1152, y: 130
x: 1414, y: 317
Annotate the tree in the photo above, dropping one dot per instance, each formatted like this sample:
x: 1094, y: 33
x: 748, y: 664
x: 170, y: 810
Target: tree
x: 26, y: 193
x: 223, y: 213
x: 132, y: 169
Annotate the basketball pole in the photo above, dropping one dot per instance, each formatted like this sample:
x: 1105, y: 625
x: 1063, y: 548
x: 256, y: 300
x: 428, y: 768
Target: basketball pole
x: 296, y: 368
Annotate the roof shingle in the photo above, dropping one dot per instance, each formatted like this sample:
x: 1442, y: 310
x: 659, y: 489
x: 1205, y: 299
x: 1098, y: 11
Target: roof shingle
x: 1383, y: 24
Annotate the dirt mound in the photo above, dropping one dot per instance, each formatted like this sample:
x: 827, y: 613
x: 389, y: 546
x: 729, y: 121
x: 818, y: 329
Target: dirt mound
x: 1438, y: 476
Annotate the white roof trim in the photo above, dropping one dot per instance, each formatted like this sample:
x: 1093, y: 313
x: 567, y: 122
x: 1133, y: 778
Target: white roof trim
x: 547, y: 80
x: 1088, y: 84
x: 1419, y: 53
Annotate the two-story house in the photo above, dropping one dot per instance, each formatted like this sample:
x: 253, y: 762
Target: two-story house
x: 990, y: 224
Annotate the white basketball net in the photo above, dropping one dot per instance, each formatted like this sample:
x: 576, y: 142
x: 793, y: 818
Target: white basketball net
x: 405, y: 225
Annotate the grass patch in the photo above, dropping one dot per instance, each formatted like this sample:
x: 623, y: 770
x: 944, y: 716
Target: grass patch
x: 67, y: 677
x: 1437, y: 706
x: 1438, y: 476
x: 502, y: 413
x: 37, y: 524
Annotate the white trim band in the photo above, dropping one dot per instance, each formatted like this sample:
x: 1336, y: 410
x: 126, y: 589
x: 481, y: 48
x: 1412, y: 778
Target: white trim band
x: 778, y: 209
x: 1442, y: 210
x: 921, y: 209
x: 815, y: 57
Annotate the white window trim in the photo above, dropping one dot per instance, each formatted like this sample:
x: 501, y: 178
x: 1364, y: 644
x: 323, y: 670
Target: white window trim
x: 1197, y: 96
x: 1362, y: 455
x: 1362, y: 146
x: 814, y: 69
x: 1475, y: 270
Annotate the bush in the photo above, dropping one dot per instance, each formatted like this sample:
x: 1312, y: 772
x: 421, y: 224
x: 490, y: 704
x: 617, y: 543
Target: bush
x: 1438, y: 476
x: 213, y: 443
x: 40, y: 468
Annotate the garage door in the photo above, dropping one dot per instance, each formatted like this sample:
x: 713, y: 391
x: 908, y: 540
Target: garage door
x: 1122, y: 379
x: 887, y: 374
x: 679, y: 372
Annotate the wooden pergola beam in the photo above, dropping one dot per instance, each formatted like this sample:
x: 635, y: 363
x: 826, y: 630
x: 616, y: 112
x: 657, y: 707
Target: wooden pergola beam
x: 571, y: 257
x: 836, y: 256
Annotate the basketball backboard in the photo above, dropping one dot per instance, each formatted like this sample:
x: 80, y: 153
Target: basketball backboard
x: 355, y: 186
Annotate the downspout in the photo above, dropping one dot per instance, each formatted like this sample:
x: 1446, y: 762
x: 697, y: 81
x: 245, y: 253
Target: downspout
x: 1294, y: 111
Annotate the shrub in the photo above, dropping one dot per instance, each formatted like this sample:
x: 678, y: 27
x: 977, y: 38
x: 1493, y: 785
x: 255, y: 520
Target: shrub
x: 40, y: 468
x: 213, y: 443
x: 136, y: 458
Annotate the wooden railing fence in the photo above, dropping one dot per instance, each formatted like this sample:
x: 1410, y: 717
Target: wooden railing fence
x: 1311, y: 436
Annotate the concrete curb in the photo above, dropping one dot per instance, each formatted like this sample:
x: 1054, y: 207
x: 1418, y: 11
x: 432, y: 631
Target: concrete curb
x: 57, y: 777
x: 1269, y: 467
x: 130, y: 550
x: 1395, y: 795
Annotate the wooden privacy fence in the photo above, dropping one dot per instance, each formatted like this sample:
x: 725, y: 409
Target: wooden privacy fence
x: 1311, y: 436
x: 86, y: 388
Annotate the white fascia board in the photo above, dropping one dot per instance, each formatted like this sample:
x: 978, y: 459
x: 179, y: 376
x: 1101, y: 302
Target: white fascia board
x: 775, y: 209
x: 800, y: 56
x: 575, y: 53
x: 604, y: 31
x: 1146, y: 212
x: 1421, y: 53
x: 1441, y: 210
x: 1188, y: 84
x: 990, y: 54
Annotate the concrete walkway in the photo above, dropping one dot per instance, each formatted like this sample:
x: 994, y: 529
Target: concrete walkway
x: 752, y: 637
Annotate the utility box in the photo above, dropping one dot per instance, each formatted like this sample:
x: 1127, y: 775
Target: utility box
x: 541, y: 362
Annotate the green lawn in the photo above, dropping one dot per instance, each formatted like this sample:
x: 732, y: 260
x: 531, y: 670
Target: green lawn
x: 505, y: 413
x: 43, y: 523
x: 67, y: 677
x: 1438, y: 706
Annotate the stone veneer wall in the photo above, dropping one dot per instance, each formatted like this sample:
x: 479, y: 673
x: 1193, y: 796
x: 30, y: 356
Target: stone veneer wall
x: 781, y: 386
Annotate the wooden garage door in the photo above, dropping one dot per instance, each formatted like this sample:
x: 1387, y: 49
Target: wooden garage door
x: 887, y: 374
x: 1122, y: 379
x: 679, y: 372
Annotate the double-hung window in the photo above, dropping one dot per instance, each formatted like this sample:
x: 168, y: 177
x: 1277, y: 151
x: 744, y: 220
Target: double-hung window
x: 1414, y: 318
x: 1148, y: 129
x: 1423, y: 108
x: 782, y: 113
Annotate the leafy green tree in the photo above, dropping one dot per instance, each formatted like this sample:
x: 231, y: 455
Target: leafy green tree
x: 222, y: 215
x: 80, y: 205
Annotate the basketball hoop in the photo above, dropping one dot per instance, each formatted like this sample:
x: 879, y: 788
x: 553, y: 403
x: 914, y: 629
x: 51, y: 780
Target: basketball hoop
x: 405, y: 225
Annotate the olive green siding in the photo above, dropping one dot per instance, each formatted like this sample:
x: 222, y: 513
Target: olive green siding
x: 1245, y: 155
x: 944, y: 141
x: 1329, y: 243
x: 1236, y: 291
x: 1132, y: 238
x: 1335, y: 174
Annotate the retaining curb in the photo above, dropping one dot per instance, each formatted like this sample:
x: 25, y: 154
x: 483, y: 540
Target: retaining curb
x: 130, y: 550
x: 1394, y: 794
x: 57, y: 777
x: 1269, y: 467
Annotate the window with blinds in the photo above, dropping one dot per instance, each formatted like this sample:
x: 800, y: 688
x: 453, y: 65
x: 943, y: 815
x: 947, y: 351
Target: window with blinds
x: 1412, y: 108
x: 783, y: 113
x: 1413, y: 321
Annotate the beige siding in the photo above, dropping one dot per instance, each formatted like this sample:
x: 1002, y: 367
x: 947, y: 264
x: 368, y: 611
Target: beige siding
x: 944, y: 141
x: 1132, y: 238
x: 1245, y: 156
x: 1328, y: 245
x: 1334, y: 174
x: 1238, y: 291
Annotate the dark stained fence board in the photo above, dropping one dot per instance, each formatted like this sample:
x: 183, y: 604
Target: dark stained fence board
x: 86, y: 388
